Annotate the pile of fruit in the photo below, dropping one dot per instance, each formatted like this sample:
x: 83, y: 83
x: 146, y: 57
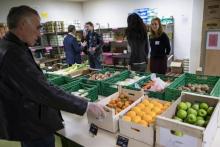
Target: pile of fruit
x: 102, y: 76
x: 120, y: 103
x: 196, y: 114
x: 145, y: 112
x: 198, y: 88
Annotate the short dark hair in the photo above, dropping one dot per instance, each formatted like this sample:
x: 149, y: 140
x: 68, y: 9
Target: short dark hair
x: 71, y: 28
x: 17, y: 13
x: 90, y: 23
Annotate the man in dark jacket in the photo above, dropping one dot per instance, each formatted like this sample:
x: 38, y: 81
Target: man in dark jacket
x: 72, y: 48
x: 30, y: 105
x: 94, y: 47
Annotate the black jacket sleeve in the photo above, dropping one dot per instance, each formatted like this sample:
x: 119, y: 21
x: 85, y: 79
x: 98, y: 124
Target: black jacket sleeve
x: 146, y: 49
x: 29, y: 80
x: 167, y: 44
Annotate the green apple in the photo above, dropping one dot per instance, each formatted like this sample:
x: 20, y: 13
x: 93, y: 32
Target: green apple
x: 210, y: 110
x: 191, y: 118
x: 202, y: 112
x: 192, y: 111
x: 181, y: 114
x: 195, y: 106
x: 182, y: 106
x: 188, y: 104
x: 178, y: 133
x: 199, y: 118
x: 177, y: 118
x: 203, y: 106
x: 200, y: 123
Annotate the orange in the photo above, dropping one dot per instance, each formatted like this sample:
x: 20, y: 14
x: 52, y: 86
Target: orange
x: 152, y: 114
x: 136, y: 119
x: 126, y: 118
x: 145, y: 102
x: 140, y: 113
x: 156, y: 110
x: 146, y: 110
x: 140, y: 106
x: 150, y: 105
x: 147, y: 118
x: 159, y: 105
x: 131, y: 114
x: 143, y: 123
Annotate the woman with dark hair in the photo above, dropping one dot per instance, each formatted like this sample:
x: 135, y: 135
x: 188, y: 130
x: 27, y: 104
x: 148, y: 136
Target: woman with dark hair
x: 160, y: 47
x: 138, y: 42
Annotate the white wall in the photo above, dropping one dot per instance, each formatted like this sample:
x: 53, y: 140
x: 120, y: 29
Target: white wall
x: 196, y: 34
x: 63, y: 10
x: 115, y: 12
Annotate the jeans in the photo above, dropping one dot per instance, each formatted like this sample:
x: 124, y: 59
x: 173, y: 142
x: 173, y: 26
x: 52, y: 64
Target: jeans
x: 48, y: 141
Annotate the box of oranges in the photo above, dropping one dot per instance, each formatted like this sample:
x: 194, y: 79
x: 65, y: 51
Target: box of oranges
x: 139, y: 121
x: 116, y: 105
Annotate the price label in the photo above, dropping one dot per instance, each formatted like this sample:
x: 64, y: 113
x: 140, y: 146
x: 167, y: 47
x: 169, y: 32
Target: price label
x: 93, y: 129
x: 122, y: 141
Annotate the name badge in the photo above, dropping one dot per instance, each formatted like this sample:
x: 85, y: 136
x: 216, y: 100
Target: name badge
x: 157, y: 42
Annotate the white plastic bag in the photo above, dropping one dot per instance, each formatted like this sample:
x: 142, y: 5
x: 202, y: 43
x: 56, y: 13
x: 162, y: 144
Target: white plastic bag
x: 159, y: 85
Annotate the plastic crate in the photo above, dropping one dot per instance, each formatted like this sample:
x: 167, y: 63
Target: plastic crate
x: 172, y: 92
x: 51, y: 76
x: 92, y: 90
x: 64, y: 82
x: 110, y: 87
x: 159, y: 95
x: 99, y: 82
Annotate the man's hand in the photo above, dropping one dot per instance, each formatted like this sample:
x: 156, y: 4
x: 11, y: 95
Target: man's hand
x: 96, y: 110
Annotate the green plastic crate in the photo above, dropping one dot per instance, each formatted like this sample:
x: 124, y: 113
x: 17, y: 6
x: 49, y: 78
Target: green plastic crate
x: 159, y: 95
x: 110, y: 87
x: 92, y: 90
x: 51, y: 76
x: 99, y: 82
x: 172, y: 92
x: 64, y: 82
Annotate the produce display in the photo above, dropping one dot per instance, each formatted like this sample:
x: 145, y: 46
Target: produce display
x: 145, y: 112
x: 102, y: 76
x: 71, y: 69
x: 198, y: 88
x: 194, y: 113
x: 120, y: 103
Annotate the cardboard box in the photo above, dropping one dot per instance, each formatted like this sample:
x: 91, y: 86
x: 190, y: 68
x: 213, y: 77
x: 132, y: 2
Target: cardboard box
x: 212, y: 24
x: 138, y: 132
x: 194, y: 136
x: 212, y: 10
x: 176, y: 67
x: 110, y: 122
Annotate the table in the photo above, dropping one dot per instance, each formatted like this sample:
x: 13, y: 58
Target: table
x: 76, y: 130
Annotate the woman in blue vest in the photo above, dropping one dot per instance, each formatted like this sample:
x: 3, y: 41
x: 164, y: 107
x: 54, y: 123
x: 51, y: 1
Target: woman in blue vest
x: 72, y: 48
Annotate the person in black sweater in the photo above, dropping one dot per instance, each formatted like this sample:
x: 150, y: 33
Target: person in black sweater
x: 160, y: 47
x: 138, y: 42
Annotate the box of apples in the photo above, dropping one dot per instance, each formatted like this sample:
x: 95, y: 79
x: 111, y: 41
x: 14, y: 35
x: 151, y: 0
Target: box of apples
x: 192, y: 120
